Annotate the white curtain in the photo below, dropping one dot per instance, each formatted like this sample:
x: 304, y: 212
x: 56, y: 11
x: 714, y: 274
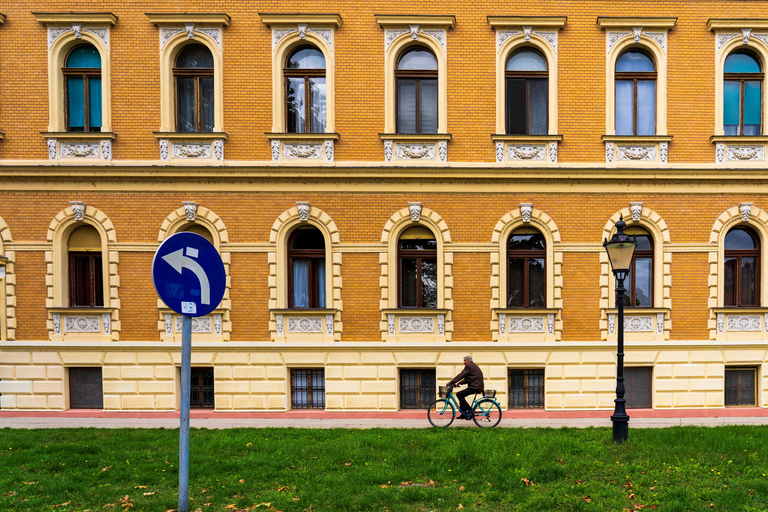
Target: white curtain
x: 300, y: 283
x: 321, y: 283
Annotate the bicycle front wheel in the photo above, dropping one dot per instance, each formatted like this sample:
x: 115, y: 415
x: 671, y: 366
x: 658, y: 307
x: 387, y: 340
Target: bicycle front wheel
x: 441, y: 413
x: 487, y: 413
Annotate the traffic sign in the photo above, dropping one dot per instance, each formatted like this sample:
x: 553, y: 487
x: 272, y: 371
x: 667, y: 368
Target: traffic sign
x: 188, y: 274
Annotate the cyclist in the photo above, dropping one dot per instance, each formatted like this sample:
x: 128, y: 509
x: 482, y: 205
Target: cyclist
x: 472, y: 375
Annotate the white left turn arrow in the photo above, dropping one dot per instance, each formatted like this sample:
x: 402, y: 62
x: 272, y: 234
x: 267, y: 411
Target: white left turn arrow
x: 178, y: 261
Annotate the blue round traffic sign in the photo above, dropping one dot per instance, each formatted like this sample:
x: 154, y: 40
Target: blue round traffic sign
x: 188, y: 274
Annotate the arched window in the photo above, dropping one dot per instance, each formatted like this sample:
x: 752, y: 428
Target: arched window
x: 635, y: 94
x: 82, y: 89
x: 417, y: 264
x: 199, y: 230
x: 639, y: 281
x: 742, y: 93
x: 193, y: 74
x: 526, y: 269
x: 306, y: 268
x: 741, y: 267
x: 305, y: 91
x: 527, y: 93
x: 416, y: 89
x: 86, y: 288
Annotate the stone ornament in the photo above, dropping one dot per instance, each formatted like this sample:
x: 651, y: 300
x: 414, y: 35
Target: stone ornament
x: 441, y: 324
x: 550, y: 37
x: 218, y: 150
x: 720, y: 153
x: 328, y: 147
x: 550, y: 323
x: 56, y: 32
x: 720, y: 322
x: 164, y: 152
x: 536, y: 152
x: 637, y: 32
x: 663, y: 150
x: 416, y: 324
x: 438, y: 35
x: 553, y: 152
x: 746, y: 153
x: 329, y: 323
x: 77, y: 29
x: 746, y: 211
x: 52, y: 149
x: 279, y: 324
x: 302, y: 30
x: 168, y: 325
x: 82, y: 324
x: 526, y: 324
x: 190, y: 210
x: 325, y: 33
x: 414, y: 32
x: 56, y: 323
x: 388, y: 150
x: 279, y: 33
x: 217, y: 325
x: 391, y: 323
x: 636, y: 153
x: 191, y: 150
x: 302, y: 151
x: 636, y: 207
x: 527, y: 33
x: 190, y: 28
x: 745, y: 33
x: 502, y: 323
x: 78, y: 150
x: 415, y: 151
x: 744, y: 323
x: 659, y: 37
x: 78, y: 209
x: 415, y: 210
x: 526, y: 209
x: 503, y: 35
x: 765, y: 322
x: 106, y: 320
x: 499, y: 151
x: 275, y: 150
x: 612, y: 324
x: 167, y: 33
x: 106, y: 149
x: 609, y: 152
x: 722, y: 40
x: 303, y: 208
x: 213, y: 33
x: 200, y: 325
x: 638, y: 324
x: 442, y: 151
x: 391, y: 34
x: 660, y: 323
x: 305, y: 324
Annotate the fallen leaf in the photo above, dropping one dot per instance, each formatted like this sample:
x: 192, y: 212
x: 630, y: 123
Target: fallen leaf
x: 262, y: 504
x: 586, y: 498
x: 30, y: 483
x: 242, y: 480
x: 347, y: 463
x: 140, y: 487
x: 230, y: 506
x: 383, y: 487
x: 61, y: 505
x: 579, y: 481
x: 149, y: 493
x: 105, y: 469
x: 431, y: 482
x: 249, y: 444
x: 282, y: 488
x: 461, y: 488
x: 751, y: 491
x: 206, y: 504
x: 631, y: 496
x: 460, y: 506
x: 199, y: 509
x: 651, y: 488
x: 527, y: 482
x: 297, y: 499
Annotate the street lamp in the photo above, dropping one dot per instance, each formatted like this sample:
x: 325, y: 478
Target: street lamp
x: 620, y: 249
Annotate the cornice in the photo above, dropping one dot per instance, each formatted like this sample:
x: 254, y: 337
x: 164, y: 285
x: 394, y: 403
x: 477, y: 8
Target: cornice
x: 2, y: 18
x: 624, y: 22
x: 532, y: 21
x: 739, y: 139
x: 79, y: 135
x: 278, y: 19
x: 47, y: 18
x: 715, y: 24
x: 636, y: 139
x: 415, y: 137
x: 191, y: 135
x: 303, y: 136
x: 399, y: 20
x: 169, y: 18
x: 526, y: 138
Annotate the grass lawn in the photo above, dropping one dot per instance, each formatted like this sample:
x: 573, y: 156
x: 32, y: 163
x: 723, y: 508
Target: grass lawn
x: 673, y: 469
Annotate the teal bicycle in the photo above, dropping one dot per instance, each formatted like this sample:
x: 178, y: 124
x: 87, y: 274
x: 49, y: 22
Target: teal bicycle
x: 486, y: 412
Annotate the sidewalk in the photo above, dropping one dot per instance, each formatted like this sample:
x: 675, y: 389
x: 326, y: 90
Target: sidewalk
x: 639, y: 418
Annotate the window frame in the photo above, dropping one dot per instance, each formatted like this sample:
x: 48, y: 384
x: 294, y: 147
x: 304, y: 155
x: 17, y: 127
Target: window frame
x: 741, y: 78
x: 527, y: 75
x: 197, y: 390
x: 313, y: 255
x: 635, y: 369
x: 636, y: 76
x: 94, y: 285
x: 418, y: 255
x: 86, y: 74
x: 738, y: 254
x: 644, y: 253
x: 196, y: 74
x: 98, y: 402
x: 418, y: 75
x: 422, y: 401
x: 311, y: 373
x: 526, y: 255
x: 305, y: 73
x: 755, y: 387
x: 526, y: 388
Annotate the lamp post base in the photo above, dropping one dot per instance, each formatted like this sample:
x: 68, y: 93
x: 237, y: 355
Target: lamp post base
x: 620, y: 427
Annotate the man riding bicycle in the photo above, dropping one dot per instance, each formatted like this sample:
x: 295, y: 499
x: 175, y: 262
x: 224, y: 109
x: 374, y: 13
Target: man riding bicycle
x: 472, y: 375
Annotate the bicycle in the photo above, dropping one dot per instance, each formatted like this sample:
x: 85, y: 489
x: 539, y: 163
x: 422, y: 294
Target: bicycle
x: 486, y: 411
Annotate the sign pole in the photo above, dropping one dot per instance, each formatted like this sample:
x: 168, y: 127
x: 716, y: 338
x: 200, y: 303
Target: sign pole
x: 186, y: 364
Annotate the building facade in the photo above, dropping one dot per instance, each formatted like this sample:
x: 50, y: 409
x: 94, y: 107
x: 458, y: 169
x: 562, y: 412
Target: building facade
x: 390, y: 188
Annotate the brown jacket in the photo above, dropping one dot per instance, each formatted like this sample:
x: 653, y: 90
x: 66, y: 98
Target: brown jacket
x: 473, y: 376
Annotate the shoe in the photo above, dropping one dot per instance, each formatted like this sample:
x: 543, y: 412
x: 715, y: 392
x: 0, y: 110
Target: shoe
x: 462, y: 417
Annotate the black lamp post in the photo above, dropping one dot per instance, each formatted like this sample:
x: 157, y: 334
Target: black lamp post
x: 620, y: 249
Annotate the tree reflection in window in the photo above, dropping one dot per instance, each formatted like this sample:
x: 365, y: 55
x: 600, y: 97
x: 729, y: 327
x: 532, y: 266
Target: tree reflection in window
x: 305, y: 94
x: 741, y: 268
x: 526, y: 269
x: 417, y: 258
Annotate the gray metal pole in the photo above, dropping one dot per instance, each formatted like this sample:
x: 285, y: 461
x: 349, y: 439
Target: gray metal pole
x: 186, y: 364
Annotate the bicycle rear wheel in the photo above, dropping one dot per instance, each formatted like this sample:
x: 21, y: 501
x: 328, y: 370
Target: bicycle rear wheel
x: 441, y: 413
x: 487, y: 413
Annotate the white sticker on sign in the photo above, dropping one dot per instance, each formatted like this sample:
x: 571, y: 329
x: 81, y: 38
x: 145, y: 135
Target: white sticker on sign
x: 188, y: 308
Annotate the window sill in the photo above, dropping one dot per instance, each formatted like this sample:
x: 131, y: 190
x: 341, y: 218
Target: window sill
x: 82, y: 324
x: 303, y: 147
x: 743, y: 323
x: 299, y: 324
x: 204, y: 328
x: 640, y: 324
x: 80, y: 147
x: 740, y: 150
x: 192, y: 147
x: 416, y: 324
x: 527, y: 324
x: 526, y: 150
x: 636, y: 150
x: 415, y: 149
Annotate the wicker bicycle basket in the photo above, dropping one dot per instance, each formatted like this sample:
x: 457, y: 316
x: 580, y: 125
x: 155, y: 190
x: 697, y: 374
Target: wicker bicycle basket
x: 489, y: 393
x: 443, y: 390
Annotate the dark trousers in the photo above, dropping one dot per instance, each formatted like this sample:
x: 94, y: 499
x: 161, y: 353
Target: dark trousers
x: 461, y: 395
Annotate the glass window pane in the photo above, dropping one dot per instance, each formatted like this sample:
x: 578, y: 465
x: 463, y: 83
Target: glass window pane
x: 206, y: 86
x: 185, y: 103
x: 85, y: 56
x: 643, y: 243
x: 646, y: 107
x: 627, y: 294
x: 538, y: 95
x: 310, y: 238
x: 748, y: 282
x: 429, y: 283
x: 417, y: 59
x: 741, y: 62
x: 752, y: 112
x: 94, y: 102
x: 300, y: 283
x: 729, y: 282
x: 526, y: 60
x: 320, y: 282
x: 428, y: 104
x: 643, y: 280
x: 76, y: 103
x: 636, y: 61
x: 526, y: 242
x: 406, y: 105
x: 624, y: 101
x: 516, y: 278
x: 517, y: 116
x: 295, y: 97
x: 408, y: 284
x: 739, y: 239
x: 536, y: 280
x: 318, y: 104
x: 731, y: 107
x: 306, y: 58
x: 195, y: 56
